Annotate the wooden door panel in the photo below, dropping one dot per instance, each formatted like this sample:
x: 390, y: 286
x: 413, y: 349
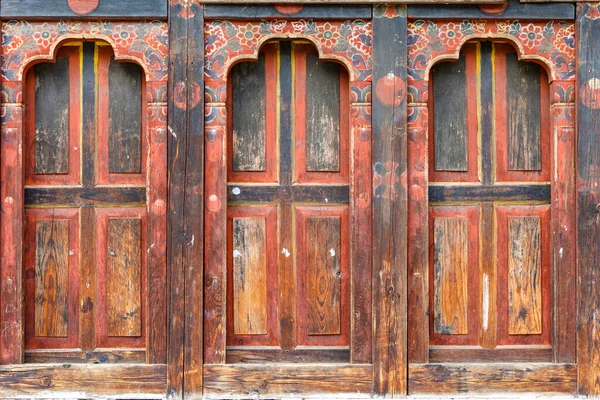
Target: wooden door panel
x: 524, y: 274
x: 252, y: 271
x: 53, y: 118
x: 121, y: 272
x: 323, y: 275
x: 51, y: 277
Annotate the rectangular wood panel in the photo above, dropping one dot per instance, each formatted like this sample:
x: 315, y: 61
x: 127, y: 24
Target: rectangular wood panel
x: 123, y: 276
x: 322, y: 114
x: 450, y: 275
x: 52, y: 117
x: 52, y: 277
x: 248, y: 84
x: 249, y: 276
x: 125, y: 117
x: 525, y: 276
x: 450, y: 116
x: 523, y: 111
x: 323, y: 275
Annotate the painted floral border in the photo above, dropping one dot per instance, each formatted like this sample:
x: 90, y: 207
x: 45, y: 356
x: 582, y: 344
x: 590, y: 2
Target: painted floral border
x: 349, y: 41
x: 144, y: 42
x: 552, y: 43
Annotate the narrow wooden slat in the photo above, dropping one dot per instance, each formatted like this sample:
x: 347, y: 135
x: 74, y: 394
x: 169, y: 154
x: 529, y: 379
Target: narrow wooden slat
x: 298, y: 194
x: 262, y: 355
x: 450, y: 260
x: 487, y: 378
x: 525, y: 276
x: 249, y: 276
x: 268, y: 381
x: 230, y: 11
x: 123, y: 275
x: 89, y: 114
x: 459, y: 354
x: 323, y: 275
x: 52, y: 275
x: 486, y: 110
x: 523, y: 109
x: 322, y: 115
x: 489, y: 193
x: 68, y: 356
x: 80, y: 196
x: 52, y: 117
x: 82, y: 381
x: 87, y: 280
x: 450, y: 116
x: 249, y: 115
x: 148, y: 9
x: 488, y: 278
x: 124, y: 117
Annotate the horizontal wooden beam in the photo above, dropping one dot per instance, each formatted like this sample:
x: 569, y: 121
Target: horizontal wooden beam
x: 476, y: 354
x: 488, y: 378
x: 65, y: 381
x: 249, y: 380
x: 315, y: 11
x: 438, y: 194
x: 354, y: 1
x: 147, y: 9
x: 261, y: 355
x: 515, y: 9
x: 295, y: 193
x: 78, y: 196
x: 70, y: 356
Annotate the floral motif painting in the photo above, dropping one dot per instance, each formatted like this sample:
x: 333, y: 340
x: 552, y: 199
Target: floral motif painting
x: 348, y: 41
x: 145, y: 42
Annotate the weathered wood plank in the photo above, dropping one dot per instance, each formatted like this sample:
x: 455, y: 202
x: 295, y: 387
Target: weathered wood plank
x: 390, y: 207
x: 249, y: 276
x: 488, y: 378
x: 124, y: 117
x: 83, y: 9
x: 448, y: 193
x: 69, y: 356
x: 324, y: 11
x: 52, y: 94
x: 124, y: 277
x: 450, y: 116
x: 293, y: 193
x: 96, y: 381
x: 525, y: 276
x: 450, y: 263
x: 80, y: 196
x: 323, y: 275
x: 488, y: 278
x: 476, y: 354
x: 322, y: 114
x: 268, y: 381
x: 486, y: 106
x: 524, y: 114
x: 319, y: 354
x: 52, y: 277
x: 588, y: 201
x: 87, y: 280
x: 249, y: 115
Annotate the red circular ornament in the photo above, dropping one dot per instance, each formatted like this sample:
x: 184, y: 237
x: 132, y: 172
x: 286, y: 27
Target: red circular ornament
x: 288, y: 9
x: 390, y: 90
x: 83, y: 7
x: 493, y: 8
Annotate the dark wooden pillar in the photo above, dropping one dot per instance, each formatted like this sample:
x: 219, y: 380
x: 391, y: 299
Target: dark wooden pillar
x: 588, y: 200
x: 389, y: 201
x: 186, y: 194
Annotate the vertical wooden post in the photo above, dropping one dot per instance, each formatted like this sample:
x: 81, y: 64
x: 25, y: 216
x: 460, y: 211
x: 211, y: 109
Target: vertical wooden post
x: 588, y: 200
x: 390, y: 201
x: 11, y: 223
x: 186, y: 205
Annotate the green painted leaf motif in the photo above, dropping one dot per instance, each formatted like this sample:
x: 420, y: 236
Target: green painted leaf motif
x: 437, y: 46
x: 548, y: 31
x: 419, y: 23
x: 311, y: 27
x: 515, y: 28
x: 341, y: 46
x: 138, y: 46
x: 466, y: 27
x: 432, y: 29
x: 234, y: 45
x: 265, y: 27
x: 345, y: 30
x: 545, y: 47
x: 230, y: 29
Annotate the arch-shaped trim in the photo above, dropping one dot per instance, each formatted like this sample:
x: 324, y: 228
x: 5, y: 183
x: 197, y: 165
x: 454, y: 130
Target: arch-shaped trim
x: 349, y: 43
x: 144, y: 43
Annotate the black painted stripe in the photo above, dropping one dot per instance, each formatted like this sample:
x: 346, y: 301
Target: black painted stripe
x: 236, y: 11
x: 285, y: 112
x: 78, y: 196
x: 487, y: 112
x: 88, y: 145
x: 490, y: 193
x: 289, y: 193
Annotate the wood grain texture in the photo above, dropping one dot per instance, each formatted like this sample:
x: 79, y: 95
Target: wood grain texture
x: 268, y: 381
x: 450, y: 263
x: 52, y: 276
x: 488, y: 278
x: 90, y: 381
x: 390, y: 212
x: 588, y: 201
x: 69, y: 356
x: 524, y: 114
x: 124, y: 117
x: 249, y: 276
x: 245, y: 355
x: 467, y: 378
x: 525, y: 276
x: 477, y: 354
x: 248, y: 115
x: 323, y: 275
x: 123, y: 277
x: 322, y: 115
x: 83, y: 196
x: 52, y: 117
x: 308, y: 11
x: 450, y: 116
